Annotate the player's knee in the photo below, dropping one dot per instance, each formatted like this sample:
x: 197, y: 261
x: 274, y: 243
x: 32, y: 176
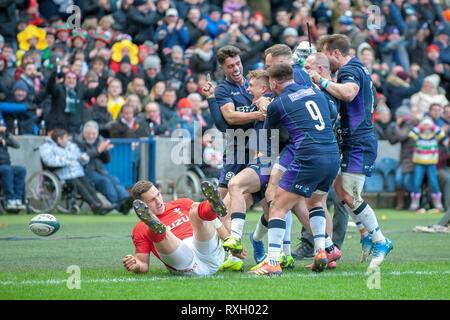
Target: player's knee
x: 193, y: 212
x: 234, y: 186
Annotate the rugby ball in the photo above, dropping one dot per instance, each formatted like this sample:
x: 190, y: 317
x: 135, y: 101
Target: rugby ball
x: 44, y: 224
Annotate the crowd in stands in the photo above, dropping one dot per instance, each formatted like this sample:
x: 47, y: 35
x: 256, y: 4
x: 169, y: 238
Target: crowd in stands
x: 134, y: 68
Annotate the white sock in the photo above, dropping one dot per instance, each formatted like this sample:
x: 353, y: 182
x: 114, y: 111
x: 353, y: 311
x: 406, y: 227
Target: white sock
x: 237, y: 224
x: 328, y: 242
x: 369, y: 220
x: 362, y: 230
x: 261, y: 229
x: 277, y: 228
x: 287, y: 234
x: 318, y: 221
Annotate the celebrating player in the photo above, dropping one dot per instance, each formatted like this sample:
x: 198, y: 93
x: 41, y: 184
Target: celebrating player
x: 359, y: 145
x: 181, y: 233
x: 234, y: 102
x: 304, y: 111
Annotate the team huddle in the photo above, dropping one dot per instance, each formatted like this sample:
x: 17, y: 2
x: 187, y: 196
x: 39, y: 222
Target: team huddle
x: 326, y: 140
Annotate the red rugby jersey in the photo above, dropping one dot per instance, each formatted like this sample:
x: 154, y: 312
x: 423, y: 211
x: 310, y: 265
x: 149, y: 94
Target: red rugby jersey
x: 175, y: 217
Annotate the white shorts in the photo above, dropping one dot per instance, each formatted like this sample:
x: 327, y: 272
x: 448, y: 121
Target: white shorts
x: 195, y: 258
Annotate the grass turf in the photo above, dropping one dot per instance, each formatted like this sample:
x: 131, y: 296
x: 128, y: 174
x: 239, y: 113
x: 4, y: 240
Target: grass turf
x: 35, y: 268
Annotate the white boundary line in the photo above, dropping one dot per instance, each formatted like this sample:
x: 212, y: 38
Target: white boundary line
x: 53, y: 282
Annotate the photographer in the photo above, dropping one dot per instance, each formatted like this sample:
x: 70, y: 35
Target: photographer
x: 12, y: 177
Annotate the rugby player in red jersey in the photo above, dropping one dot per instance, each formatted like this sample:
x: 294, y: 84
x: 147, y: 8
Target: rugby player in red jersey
x: 183, y: 234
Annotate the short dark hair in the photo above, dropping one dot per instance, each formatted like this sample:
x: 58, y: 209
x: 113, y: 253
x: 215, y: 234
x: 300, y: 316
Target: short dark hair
x: 333, y: 42
x: 281, y: 72
x: 435, y: 105
x: 58, y: 133
x: 140, y: 187
x: 278, y: 50
x: 227, y: 52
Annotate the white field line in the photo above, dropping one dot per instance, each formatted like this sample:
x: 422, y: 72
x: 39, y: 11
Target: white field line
x: 52, y: 282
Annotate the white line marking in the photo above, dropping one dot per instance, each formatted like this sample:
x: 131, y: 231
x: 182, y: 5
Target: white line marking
x: 52, y: 282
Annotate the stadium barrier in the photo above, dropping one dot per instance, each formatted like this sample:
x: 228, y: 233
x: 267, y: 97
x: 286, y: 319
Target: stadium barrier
x: 131, y: 159
x: 153, y: 159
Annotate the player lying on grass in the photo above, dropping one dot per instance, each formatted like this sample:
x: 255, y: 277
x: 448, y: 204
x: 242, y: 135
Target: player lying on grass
x: 183, y: 234
x: 305, y: 113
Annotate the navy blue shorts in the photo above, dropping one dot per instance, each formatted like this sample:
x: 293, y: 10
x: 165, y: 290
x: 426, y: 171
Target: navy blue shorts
x: 263, y: 172
x: 228, y: 172
x: 359, y: 158
x: 287, y: 156
x: 307, y: 175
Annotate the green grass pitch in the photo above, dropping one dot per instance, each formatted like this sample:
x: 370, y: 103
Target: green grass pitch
x: 36, y: 268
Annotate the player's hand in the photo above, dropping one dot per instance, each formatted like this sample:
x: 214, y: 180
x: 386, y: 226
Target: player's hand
x: 208, y: 89
x: 260, y: 116
x: 262, y: 103
x: 315, y: 77
x: 242, y: 255
x: 130, y: 263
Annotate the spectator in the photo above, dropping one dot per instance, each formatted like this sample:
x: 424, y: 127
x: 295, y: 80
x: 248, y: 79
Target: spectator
x: 283, y: 17
x: 435, y: 114
x: 97, y: 148
x: 431, y: 60
x: 201, y: 117
x: 398, y: 132
x: 400, y: 85
x: 196, y: 25
x: 6, y: 79
x: 141, y: 20
x: 430, y: 93
x: 133, y: 101
x: 127, y: 125
x: 168, y: 108
x: 26, y: 119
x: 203, y: 60
x: 137, y: 87
x: 382, y: 121
x: 152, y: 71
x: 32, y: 79
x: 155, y: 122
x: 190, y: 86
x: 347, y: 28
x: 65, y: 157
x: 290, y: 37
x: 157, y: 92
x: 125, y: 74
x: 115, y: 98
x: 12, y: 177
x: 175, y: 70
x: 8, y: 20
x: 394, y: 49
x: 99, y: 113
x: 172, y: 32
x: 427, y: 136
x: 212, y: 157
x: 215, y: 25
x: 67, y: 102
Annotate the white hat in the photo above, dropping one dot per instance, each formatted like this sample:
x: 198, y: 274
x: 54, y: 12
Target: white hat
x: 172, y: 12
